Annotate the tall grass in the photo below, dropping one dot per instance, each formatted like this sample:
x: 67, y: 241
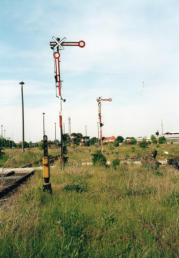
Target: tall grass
x: 129, y: 211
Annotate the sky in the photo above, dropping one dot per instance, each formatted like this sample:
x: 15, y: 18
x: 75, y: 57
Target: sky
x: 131, y: 55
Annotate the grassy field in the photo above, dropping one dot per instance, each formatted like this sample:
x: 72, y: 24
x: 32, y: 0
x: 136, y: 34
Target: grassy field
x: 130, y: 211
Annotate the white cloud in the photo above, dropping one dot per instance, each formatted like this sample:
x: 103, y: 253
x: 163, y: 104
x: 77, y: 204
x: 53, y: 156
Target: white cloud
x: 126, y: 43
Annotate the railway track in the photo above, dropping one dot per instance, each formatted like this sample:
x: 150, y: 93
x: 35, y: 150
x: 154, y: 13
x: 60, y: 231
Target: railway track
x: 11, y: 178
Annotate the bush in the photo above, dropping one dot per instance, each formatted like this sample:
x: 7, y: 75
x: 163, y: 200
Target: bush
x: 115, y: 163
x: 120, y: 139
x: 116, y: 143
x: 79, y: 188
x: 98, y: 158
x: 93, y: 141
x: 133, y: 149
x: 1, y: 153
x: 143, y: 144
x: 153, y: 139
x: 162, y: 140
x: 130, y: 140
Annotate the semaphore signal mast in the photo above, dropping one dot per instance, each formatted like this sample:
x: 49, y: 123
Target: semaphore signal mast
x: 99, y: 100
x: 56, y: 45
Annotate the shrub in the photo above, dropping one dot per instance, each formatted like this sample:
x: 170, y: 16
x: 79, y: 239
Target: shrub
x: 133, y: 149
x: 143, y: 144
x: 157, y: 173
x: 79, y: 188
x: 98, y: 158
x: 120, y: 139
x: 162, y: 140
x: 1, y: 153
x: 130, y: 140
x: 116, y: 143
x: 115, y: 163
x: 153, y: 139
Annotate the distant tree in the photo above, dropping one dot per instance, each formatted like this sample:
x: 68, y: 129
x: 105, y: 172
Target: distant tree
x: 119, y: 139
x: 7, y: 143
x: 131, y: 140
x: 77, y: 138
x: 66, y: 139
x: 162, y: 140
x: 153, y: 139
x: 93, y: 140
x: 26, y: 145
x: 57, y: 143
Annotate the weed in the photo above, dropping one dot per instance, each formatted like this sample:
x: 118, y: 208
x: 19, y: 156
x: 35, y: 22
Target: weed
x: 78, y: 184
x: 98, y: 158
x: 79, y: 188
x: 157, y: 173
x: 115, y: 163
x: 172, y: 199
x: 133, y: 149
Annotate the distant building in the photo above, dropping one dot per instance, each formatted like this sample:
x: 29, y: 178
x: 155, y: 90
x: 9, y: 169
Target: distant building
x: 171, y: 137
x: 109, y: 139
x: 140, y: 139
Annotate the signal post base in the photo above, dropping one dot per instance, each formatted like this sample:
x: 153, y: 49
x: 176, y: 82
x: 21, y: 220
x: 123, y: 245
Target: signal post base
x: 47, y: 188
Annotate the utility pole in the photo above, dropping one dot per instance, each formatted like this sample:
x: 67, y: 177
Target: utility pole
x: 99, y: 100
x: 55, y: 131
x: 43, y: 123
x: 56, y: 45
x: 22, y: 97
x: 162, y: 126
x: 86, y: 130
x: 69, y: 126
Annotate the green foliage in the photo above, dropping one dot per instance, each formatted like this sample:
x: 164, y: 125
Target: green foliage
x: 98, y: 158
x: 77, y: 187
x: 116, y: 143
x: 66, y: 139
x: 115, y: 163
x: 41, y: 145
x: 153, y: 139
x: 93, y: 141
x: 130, y: 140
x: 157, y: 173
x: 143, y: 144
x: 119, y: 139
x: 77, y: 137
x: 57, y: 143
x: 26, y: 145
x: 1, y: 153
x: 133, y: 149
x: 172, y: 199
x: 7, y: 143
x: 162, y: 140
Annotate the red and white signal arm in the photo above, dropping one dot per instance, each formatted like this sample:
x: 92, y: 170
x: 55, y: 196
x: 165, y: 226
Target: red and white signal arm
x: 80, y: 43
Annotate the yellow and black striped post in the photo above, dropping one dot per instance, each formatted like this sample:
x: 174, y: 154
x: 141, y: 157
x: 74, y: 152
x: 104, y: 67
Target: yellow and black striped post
x: 46, y: 167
